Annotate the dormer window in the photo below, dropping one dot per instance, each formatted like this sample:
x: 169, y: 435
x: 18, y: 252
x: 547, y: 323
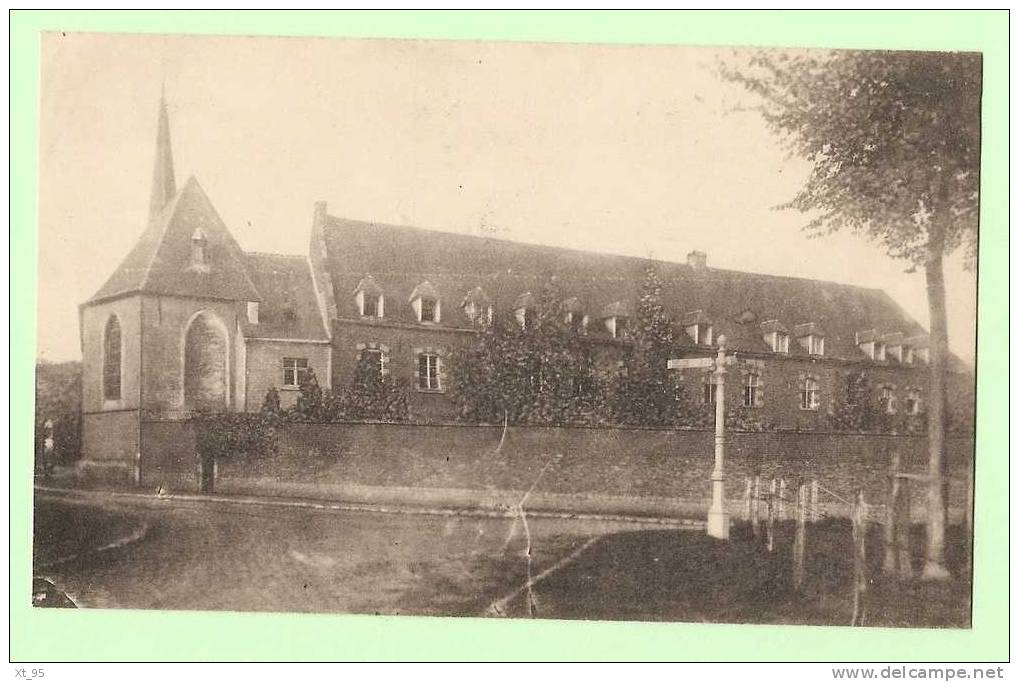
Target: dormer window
x: 524, y: 310
x: 879, y: 351
x: 810, y: 337
x: 428, y: 309
x: 477, y: 307
x: 893, y: 346
x: 698, y: 327
x: 617, y: 318
x: 574, y: 317
x: 426, y: 303
x: 199, y: 245
x: 369, y: 298
x: 617, y: 325
x: 776, y: 336
x: 907, y: 355
x: 915, y: 350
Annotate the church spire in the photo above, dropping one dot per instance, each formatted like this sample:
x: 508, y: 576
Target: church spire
x: 163, y: 185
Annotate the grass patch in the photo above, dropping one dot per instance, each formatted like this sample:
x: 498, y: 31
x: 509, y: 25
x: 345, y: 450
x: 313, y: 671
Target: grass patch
x: 668, y: 575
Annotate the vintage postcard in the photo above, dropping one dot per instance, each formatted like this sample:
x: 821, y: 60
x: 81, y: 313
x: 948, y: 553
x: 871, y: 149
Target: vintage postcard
x: 506, y: 330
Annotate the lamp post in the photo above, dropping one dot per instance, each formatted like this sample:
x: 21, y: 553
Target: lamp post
x: 718, y: 519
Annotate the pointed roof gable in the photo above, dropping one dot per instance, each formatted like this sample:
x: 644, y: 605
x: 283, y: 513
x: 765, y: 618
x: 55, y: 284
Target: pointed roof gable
x: 160, y: 262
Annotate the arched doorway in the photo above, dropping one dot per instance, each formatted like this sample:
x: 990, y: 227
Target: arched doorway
x: 205, y: 364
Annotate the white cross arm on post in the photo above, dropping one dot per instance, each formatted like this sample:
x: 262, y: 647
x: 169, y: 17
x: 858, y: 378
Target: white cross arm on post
x: 691, y: 363
x: 698, y: 363
x: 718, y: 519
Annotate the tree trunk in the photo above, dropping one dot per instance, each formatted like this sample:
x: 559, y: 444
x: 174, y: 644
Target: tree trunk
x: 937, y: 492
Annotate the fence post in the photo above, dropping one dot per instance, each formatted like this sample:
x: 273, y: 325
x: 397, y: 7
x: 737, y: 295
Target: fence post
x: 800, y: 541
x: 771, y: 515
x: 781, y: 499
x: 746, y: 500
x: 815, y: 501
x: 859, y: 559
x: 755, y: 509
x: 891, y: 530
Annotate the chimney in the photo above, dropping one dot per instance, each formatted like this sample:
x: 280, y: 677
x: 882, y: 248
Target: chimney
x: 698, y: 260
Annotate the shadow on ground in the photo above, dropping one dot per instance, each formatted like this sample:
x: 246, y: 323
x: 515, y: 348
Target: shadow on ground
x: 685, y: 576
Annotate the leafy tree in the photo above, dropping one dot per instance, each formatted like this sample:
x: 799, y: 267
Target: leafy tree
x: 371, y: 395
x: 310, y: 401
x: 646, y: 392
x: 58, y: 398
x: 538, y: 372
x: 271, y: 402
x: 894, y: 139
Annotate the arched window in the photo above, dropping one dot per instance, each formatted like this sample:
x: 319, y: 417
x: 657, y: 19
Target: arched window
x: 111, y: 359
x: 205, y: 364
x: 810, y: 393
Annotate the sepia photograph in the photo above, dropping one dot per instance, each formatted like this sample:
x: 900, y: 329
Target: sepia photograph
x: 524, y: 330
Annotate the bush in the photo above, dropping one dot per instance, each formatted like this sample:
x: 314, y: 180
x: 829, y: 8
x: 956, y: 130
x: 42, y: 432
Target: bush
x: 58, y: 398
x: 236, y: 434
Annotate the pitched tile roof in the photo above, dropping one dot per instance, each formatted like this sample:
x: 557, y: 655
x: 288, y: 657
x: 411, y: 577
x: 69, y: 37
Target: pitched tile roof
x: 401, y: 258
x: 289, y: 308
x: 160, y: 263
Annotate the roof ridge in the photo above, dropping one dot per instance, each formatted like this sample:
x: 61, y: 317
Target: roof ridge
x: 603, y: 254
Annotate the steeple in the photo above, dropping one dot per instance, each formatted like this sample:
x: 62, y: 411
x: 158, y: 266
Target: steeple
x: 163, y: 185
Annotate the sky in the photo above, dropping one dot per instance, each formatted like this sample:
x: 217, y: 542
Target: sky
x: 637, y: 150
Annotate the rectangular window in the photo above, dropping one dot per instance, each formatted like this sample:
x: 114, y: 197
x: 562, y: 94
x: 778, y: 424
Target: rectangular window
x: 907, y: 355
x: 752, y: 391
x: 810, y: 394
x: 913, y: 401
x: 887, y: 400
x: 780, y: 342
x: 294, y: 371
x: 428, y: 372
x: 710, y: 392
x: 371, y: 362
x: 429, y: 310
x: 815, y: 344
x: 370, y: 306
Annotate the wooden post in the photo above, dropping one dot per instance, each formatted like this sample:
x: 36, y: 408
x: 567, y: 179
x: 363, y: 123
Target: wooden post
x: 800, y: 541
x: 755, y: 508
x: 891, y: 531
x: 859, y: 559
x: 746, y: 499
x: 815, y: 501
x: 771, y: 515
x: 781, y: 499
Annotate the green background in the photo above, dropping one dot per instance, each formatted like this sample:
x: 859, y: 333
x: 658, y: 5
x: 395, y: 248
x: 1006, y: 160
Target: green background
x: 58, y: 635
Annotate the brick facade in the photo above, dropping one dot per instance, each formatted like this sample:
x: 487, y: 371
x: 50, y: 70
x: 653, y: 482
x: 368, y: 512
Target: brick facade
x: 204, y: 325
